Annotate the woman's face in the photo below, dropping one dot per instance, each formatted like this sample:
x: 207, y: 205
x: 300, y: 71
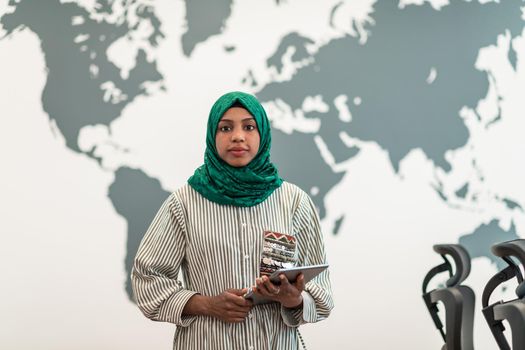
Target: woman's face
x: 237, y: 138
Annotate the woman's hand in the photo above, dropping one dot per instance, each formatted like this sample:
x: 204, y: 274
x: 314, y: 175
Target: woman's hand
x: 229, y: 306
x: 288, y: 294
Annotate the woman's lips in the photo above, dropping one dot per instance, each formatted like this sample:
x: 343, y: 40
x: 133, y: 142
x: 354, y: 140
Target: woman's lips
x: 238, y: 152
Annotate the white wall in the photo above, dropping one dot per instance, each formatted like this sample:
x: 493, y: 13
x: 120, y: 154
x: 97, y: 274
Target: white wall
x: 63, y: 244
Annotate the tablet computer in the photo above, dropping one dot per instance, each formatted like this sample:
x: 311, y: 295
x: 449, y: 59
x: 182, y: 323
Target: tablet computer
x: 292, y: 273
x: 309, y: 272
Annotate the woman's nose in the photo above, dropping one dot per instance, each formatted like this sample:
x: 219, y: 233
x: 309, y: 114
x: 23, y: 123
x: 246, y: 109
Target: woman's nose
x: 238, y: 136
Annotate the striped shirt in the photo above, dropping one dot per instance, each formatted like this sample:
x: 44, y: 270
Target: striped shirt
x: 218, y: 247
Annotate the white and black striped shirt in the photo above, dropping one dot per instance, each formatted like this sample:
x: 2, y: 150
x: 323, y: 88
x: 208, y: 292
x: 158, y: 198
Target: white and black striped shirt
x: 218, y: 247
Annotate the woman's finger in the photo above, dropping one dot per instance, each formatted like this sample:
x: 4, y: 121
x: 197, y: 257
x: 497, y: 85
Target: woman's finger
x: 240, y: 301
x: 299, y: 284
x: 284, y: 281
x: 270, y: 287
x: 237, y: 314
x: 259, y: 286
x: 262, y: 289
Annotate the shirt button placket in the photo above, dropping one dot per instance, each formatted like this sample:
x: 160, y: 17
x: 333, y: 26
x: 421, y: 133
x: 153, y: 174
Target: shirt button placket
x: 243, y: 244
x: 243, y: 229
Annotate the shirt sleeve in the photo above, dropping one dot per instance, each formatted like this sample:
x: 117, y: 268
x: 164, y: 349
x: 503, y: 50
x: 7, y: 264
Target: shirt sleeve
x: 317, y: 295
x: 158, y: 292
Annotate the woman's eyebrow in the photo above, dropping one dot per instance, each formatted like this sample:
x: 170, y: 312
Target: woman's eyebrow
x: 231, y: 121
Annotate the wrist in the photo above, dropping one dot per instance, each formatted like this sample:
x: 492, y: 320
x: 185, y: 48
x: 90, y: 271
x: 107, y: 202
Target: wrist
x: 294, y: 304
x: 204, y: 305
x: 197, y: 305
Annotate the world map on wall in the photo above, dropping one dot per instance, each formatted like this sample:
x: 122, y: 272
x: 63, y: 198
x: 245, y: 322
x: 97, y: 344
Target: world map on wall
x: 385, y: 83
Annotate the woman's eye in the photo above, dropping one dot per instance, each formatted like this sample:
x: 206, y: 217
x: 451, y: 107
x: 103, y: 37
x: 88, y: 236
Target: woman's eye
x: 224, y: 128
x: 251, y: 127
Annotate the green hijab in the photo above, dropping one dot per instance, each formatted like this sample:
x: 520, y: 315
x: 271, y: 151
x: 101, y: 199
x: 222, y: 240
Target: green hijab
x: 245, y: 186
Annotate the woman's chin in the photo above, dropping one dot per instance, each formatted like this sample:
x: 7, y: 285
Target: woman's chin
x: 238, y: 162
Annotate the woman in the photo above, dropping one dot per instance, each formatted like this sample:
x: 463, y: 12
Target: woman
x: 235, y: 221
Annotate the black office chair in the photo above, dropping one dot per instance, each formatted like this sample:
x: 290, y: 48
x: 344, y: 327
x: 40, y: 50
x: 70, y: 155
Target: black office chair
x: 458, y: 300
x: 514, y: 310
